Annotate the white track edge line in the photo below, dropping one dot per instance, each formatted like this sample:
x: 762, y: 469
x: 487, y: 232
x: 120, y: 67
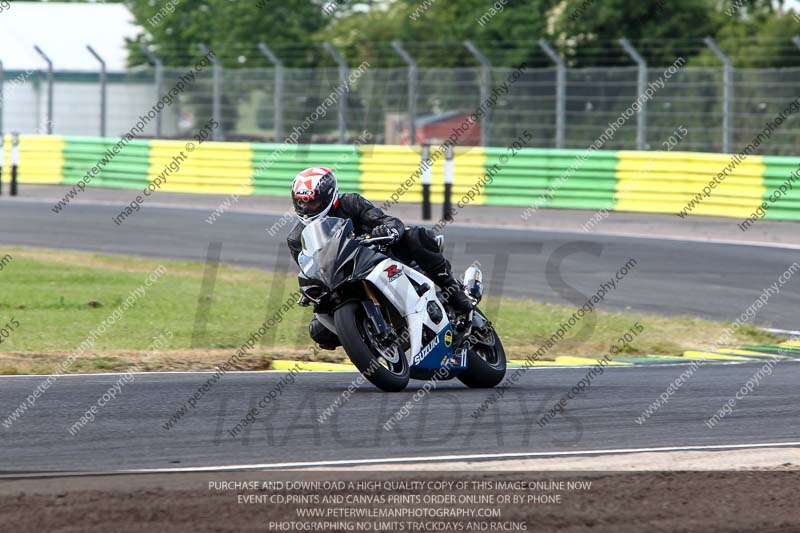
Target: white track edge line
x: 245, y: 372
x: 406, y: 460
x: 783, y: 331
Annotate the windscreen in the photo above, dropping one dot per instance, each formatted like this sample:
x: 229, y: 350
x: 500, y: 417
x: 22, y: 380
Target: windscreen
x: 313, y: 239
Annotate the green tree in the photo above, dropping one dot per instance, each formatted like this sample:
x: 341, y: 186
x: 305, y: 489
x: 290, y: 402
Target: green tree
x: 759, y: 36
x: 587, y: 30
x: 434, y: 32
x: 231, y: 29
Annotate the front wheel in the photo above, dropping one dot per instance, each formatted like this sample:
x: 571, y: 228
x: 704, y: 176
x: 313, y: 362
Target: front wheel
x: 486, y: 359
x: 385, y: 367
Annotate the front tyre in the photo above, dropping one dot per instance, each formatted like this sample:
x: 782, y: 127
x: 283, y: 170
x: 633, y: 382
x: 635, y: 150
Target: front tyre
x: 385, y: 367
x: 486, y: 359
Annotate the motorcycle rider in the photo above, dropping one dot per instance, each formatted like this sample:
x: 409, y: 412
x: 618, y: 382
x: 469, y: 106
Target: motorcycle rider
x: 315, y: 195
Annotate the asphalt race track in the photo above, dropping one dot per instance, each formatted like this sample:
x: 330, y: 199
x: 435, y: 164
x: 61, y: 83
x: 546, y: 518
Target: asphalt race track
x: 674, y: 277
x: 128, y: 432
x: 715, y: 281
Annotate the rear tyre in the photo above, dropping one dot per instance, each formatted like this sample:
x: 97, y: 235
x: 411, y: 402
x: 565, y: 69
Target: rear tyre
x: 386, y: 368
x: 486, y: 360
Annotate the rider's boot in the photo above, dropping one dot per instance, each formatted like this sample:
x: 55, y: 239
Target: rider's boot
x: 325, y: 338
x: 453, y: 291
x: 423, y: 248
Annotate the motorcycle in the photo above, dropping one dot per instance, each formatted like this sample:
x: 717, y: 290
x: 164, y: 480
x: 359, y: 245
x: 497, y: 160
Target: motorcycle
x: 389, y: 317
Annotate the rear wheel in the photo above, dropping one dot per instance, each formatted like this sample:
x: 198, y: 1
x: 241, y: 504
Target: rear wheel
x: 386, y: 367
x: 486, y: 359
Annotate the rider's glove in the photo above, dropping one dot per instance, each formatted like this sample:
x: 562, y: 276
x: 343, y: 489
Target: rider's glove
x: 385, y: 231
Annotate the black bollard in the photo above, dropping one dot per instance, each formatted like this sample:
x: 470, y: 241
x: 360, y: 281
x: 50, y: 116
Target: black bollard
x: 425, y: 165
x: 14, y: 162
x: 449, y: 171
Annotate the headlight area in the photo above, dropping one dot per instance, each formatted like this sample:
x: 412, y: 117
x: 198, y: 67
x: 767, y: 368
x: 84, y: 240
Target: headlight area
x: 314, y: 293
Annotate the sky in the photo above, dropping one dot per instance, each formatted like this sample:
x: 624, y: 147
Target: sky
x: 62, y: 31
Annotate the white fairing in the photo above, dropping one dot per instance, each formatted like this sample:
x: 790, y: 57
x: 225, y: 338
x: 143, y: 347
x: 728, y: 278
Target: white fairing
x: 401, y: 293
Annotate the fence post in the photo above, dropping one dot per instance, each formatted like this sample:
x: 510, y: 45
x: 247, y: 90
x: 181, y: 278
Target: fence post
x: 425, y: 166
x: 159, y: 80
x: 485, y: 83
x: 641, y: 86
x: 103, y: 89
x: 216, y: 106
x: 412, y: 91
x: 343, y: 75
x: 727, y: 94
x: 796, y: 40
x: 277, y: 90
x: 49, y: 89
x: 561, y: 90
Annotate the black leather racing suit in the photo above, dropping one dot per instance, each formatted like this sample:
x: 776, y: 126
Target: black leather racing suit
x: 414, y: 244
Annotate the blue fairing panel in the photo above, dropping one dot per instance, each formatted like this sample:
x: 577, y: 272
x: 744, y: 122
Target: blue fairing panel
x: 438, y: 353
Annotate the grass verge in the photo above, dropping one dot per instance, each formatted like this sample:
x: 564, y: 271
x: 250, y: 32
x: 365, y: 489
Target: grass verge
x: 58, y: 298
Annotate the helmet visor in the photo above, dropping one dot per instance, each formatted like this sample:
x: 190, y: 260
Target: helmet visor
x: 308, y: 206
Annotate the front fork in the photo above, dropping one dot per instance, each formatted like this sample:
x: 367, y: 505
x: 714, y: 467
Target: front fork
x: 383, y: 331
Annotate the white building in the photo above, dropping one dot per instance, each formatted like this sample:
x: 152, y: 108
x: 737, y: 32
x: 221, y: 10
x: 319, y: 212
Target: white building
x: 62, y: 31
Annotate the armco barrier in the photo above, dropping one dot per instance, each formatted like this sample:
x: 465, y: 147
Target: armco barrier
x: 274, y: 165
x: 124, y: 170
x: 666, y: 182
x: 210, y: 167
x: 657, y: 182
x: 533, y: 178
x: 384, y: 169
x: 41, y: 159
x: 777, y: 171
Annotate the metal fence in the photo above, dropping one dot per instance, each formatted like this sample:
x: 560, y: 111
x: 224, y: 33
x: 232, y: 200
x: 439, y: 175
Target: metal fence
x: 381, y: 101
